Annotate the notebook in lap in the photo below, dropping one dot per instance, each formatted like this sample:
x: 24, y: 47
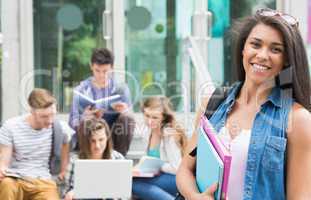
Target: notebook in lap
x: 103, y: 179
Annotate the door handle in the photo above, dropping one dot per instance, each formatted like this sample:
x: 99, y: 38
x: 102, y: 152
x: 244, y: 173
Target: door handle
x: 202, y: 25
x: 209, y: 17
x: 106, y: 25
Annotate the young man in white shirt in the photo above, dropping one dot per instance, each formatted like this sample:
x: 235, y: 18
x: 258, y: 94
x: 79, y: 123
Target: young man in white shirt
x: 26, y: 149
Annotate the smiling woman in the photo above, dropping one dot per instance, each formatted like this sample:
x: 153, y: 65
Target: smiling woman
x: 263, y: 54
x: 272, y: 101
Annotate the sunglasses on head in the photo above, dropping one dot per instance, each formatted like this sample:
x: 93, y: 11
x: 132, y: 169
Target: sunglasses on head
x: 271, y: 13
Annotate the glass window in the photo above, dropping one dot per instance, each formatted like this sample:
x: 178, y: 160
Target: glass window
x: 65, y: 33
x: 154, y: 34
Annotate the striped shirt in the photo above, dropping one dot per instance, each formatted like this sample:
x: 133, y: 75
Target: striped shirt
x: 31, y: 148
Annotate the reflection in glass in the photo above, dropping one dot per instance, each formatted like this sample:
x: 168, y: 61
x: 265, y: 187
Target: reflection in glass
x: 65, y: 32
x: 152, y: 54
x: 138, y: 18
x: 69, y: 17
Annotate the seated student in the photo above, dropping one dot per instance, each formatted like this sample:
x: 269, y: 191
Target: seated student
x: 166, y: 141
x: 96, y: 143
x: 103, y: 84
x: 30, y: 150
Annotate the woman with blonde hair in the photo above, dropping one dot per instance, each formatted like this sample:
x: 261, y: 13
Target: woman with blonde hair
x: 166, y: 141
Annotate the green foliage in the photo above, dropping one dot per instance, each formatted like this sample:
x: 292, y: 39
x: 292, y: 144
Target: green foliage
x: 79, y: 51
x: 79, y: 43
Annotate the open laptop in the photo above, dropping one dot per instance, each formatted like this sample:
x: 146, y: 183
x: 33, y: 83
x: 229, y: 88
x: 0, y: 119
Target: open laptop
x: 103, y: 179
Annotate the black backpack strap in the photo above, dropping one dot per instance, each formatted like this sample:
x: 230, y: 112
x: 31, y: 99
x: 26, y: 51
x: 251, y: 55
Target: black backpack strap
x: 218, y: 96
x: 52, y: 145
x: 193, y: 153
x: 57, y: 140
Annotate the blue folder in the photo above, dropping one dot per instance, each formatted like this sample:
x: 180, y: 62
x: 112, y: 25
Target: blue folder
x: 209, y: 166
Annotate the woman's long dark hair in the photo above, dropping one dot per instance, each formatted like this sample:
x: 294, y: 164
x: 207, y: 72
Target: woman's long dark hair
x: 85, y: 131
x: 298, y: 78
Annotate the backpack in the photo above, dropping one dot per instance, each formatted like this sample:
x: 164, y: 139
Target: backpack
x: 58, y: 137
x: 218, y: 96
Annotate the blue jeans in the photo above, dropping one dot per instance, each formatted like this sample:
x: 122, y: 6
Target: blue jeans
x: 160, y: 187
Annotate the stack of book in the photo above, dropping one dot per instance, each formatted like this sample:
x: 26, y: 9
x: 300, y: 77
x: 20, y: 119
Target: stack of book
x: 213, y: 160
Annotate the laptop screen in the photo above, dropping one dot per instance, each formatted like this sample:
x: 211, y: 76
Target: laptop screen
x: 103, y: 178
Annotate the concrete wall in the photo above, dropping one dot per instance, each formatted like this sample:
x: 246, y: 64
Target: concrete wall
x: 17, y: 63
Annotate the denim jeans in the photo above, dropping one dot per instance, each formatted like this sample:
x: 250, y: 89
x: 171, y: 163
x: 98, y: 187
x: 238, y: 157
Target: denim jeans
x: 162, y: 187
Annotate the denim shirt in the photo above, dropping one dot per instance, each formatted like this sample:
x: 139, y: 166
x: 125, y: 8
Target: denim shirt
x: 265, y: 176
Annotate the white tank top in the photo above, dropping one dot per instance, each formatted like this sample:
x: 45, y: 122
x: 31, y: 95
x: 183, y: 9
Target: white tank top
x: 238, y: 147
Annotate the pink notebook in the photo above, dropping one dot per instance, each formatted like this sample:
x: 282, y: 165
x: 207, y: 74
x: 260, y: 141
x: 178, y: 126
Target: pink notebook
x: 221, y: 150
